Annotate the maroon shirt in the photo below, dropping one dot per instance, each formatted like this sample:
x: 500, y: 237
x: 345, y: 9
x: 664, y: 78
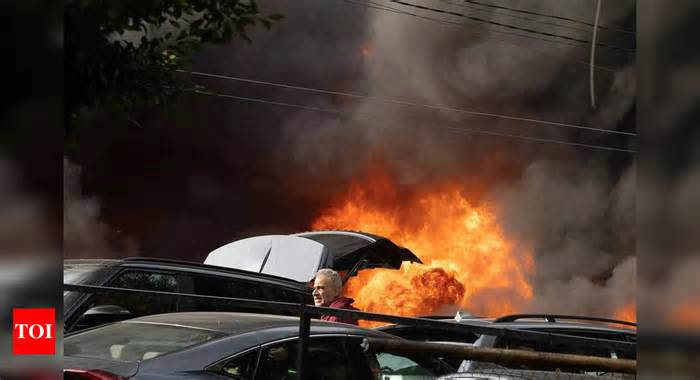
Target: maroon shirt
x: 341, y: 303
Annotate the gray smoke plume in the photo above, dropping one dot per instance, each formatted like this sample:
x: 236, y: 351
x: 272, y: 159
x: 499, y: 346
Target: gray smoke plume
x: 577, y: 213
x: 472, y: 67
x: 573, y: 206
x: 85, y: 235
x: 581, y: 225
x: 24, y: 228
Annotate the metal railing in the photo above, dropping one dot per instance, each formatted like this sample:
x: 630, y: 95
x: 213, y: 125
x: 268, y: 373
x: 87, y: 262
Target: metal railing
x: 307, y: 312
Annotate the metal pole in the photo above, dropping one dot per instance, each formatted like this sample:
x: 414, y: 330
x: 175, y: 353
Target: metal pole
x: 271, y: 307
x: 592, y: 64
x: 499, y: 355
x: 304, y: 330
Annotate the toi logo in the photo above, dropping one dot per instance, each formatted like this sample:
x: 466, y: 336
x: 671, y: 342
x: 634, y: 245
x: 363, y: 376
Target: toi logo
x: 33, y: 331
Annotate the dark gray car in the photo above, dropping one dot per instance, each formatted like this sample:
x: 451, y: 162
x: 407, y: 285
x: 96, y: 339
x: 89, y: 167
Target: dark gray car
x: 572, y: 326
x: 217, y: 345
x: 268, y: 268
x: 84, y: 310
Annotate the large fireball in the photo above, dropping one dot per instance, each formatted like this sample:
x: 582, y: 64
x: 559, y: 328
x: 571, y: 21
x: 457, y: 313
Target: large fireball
x: 468, y: 262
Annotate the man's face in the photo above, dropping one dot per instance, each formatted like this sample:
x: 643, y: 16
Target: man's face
x: 323, y: 293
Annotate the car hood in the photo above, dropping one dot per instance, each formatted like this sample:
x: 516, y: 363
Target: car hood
x: 300, y: 256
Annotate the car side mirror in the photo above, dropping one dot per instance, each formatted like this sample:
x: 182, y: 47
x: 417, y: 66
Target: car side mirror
x: 102, y: 314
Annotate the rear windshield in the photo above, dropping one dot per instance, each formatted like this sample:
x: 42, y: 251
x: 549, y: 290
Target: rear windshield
x: 79, y: 274
x: 82, y: 273
x: 134, y: 341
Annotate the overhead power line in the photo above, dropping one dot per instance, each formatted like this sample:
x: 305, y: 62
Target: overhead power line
x: 537, y: 139
x: 546, y: 15
x: 454, y: 129
x: 509, y: 26
x: 372, y: 5
x: 500, y: 13
x: 411, y: 104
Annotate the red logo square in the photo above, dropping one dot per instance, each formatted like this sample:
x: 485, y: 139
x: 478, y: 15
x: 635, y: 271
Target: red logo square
x: 34, y: 331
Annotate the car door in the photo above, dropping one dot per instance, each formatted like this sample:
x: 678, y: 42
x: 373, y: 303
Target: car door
x: 380, y: 365
x: 328, y: 359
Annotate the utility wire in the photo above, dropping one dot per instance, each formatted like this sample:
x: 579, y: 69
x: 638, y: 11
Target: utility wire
x: 458, y: 3
x: 407, y: 103
x: 373, y: 5
x: 369, y: 4
x: 546, y: 15
x: 536, y: 139
x: 509, y: 26
x: 454, y: 129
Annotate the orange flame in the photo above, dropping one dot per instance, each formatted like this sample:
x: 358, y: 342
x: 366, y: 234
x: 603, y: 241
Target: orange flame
x: 627, y: 313
x: 469, y: 263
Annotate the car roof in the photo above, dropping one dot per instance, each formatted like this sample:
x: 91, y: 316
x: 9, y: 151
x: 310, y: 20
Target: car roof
x: 550, y: 326
x: 188, y: 266
x: 234, y: 323
x: 90, y: 262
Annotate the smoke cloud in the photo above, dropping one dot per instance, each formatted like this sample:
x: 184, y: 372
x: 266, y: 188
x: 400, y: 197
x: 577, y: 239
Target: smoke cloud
x: 210, y: 170
x: 24, y: 226
x: 577, y: 212
x: 84, y: 234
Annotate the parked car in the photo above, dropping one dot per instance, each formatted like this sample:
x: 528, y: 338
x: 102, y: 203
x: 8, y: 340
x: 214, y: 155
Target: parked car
x: 83, y: 310
x: 583, y: 327
x: 218, y: 345
x: 271, y: 268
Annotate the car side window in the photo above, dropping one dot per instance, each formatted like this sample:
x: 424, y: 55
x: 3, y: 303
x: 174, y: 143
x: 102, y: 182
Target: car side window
x: 327, y: 360
x: 111, y: 307
x: 278, y: 361
x: 284, y: 295
x: 621, y: 337
x: 222, y: 287
x: 521, y: 344
x: 384, y: 364
x: 241, y: 367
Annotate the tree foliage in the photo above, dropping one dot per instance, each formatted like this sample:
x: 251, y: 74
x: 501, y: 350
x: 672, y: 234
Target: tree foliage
x: 125, y: 53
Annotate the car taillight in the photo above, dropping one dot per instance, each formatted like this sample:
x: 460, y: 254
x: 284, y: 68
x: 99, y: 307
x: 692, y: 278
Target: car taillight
x: 91, y: 374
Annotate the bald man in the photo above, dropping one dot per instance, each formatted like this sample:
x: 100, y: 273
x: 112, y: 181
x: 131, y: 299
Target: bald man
x: 327, y: 292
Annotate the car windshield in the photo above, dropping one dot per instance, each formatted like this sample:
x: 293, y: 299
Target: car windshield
x: 135, y: 341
